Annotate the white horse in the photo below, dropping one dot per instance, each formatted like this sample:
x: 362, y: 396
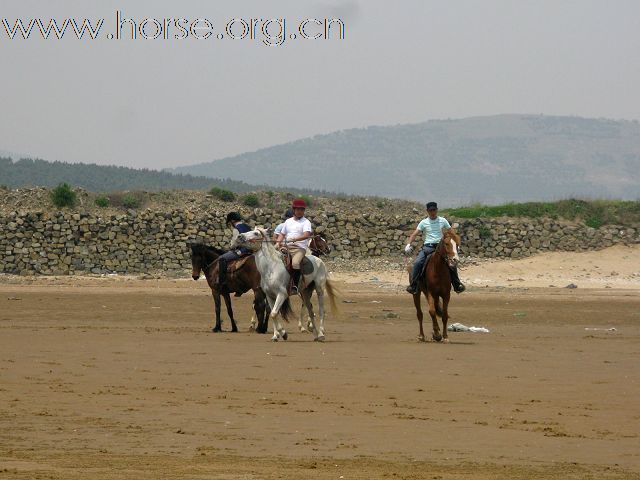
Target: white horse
x: 274, y: 280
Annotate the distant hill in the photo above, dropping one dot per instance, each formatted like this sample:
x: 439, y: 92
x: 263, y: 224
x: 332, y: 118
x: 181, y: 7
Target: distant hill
x: 101, y: 178
x: 490, y: 160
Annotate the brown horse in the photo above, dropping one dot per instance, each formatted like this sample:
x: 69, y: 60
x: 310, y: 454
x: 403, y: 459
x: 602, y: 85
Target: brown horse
x: 242, y: 279
x: 435, y: 283
x: 319, y: 246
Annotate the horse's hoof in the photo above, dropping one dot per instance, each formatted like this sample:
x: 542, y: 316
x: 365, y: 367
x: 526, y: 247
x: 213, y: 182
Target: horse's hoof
x: 437, y: 338
x: 234, y: 330
x: 319, y: 338
x: 303, y: 330
x: 285, y: 336
x: 421, y: 338
x: 445, y: 340
x: 252, y: 328
x: 216, y: 330
x: 274, y: 338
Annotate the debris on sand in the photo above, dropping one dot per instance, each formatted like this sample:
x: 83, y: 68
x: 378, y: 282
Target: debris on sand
x: 571, y: 285
x: 458, y: 327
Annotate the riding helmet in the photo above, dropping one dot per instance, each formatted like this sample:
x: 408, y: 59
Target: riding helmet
x: 299, y: 203
x: 234, y: 217
x: 288, y: 213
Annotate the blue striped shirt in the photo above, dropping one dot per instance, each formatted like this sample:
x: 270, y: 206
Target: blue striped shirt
x: 432, y: 229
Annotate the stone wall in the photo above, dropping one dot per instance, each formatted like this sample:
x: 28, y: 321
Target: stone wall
x: 60, y: 243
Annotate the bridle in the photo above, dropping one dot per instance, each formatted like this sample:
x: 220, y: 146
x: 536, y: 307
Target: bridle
x: 321, y: 250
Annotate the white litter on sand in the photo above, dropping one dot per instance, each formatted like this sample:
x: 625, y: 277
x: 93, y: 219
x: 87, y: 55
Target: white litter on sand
x: 458, y: 327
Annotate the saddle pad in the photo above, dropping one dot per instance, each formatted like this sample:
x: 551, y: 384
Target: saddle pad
x: 236, y: 265
x: 426, y: 262
x: 306, y: 266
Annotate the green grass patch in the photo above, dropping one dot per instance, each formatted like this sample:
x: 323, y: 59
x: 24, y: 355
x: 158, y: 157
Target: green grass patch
x: 593, y: 213
x: 102, y: 201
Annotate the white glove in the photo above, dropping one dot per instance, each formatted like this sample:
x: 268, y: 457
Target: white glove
x: 408, y: 249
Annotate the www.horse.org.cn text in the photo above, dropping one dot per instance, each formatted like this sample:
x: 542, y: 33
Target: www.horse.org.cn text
x: 271, y: 31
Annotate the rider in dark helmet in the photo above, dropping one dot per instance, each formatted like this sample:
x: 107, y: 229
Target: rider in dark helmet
x: 431, y: 230
x: 234, y: 220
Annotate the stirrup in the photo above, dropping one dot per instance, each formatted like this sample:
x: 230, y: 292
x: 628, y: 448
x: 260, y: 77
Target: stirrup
x: 411, y: 290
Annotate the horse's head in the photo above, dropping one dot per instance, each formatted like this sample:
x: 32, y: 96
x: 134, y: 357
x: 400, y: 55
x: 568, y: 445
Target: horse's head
x: 319, y: 246
x: 197, y: 259
x: 450, y: 243
x: 202, y: 257
x: 252, y: 239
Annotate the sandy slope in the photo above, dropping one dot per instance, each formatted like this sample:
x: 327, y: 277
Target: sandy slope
x: 615, y: 267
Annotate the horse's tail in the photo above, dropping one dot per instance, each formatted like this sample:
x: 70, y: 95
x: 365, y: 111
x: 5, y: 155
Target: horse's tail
x: 331, y: 292
x: 286, y: 311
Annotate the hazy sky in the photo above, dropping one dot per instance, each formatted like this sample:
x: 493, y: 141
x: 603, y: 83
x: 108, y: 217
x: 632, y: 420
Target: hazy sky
x: 162, y: 103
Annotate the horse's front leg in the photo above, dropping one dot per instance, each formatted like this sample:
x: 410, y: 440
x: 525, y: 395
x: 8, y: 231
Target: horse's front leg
x: 433, y: 302
x: 227, y: 302
x: 278, y: 331
x: 301, y: 327
x: 416, y: 303
x: 262, y: 310
x: 216, y: 300
x: 257, y: 318
x: 445, y: 317
x: 306, y: 299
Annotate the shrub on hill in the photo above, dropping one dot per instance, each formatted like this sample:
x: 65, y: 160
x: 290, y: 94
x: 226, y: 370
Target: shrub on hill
x: 222, y: 194
x: 251, y: 200
x: 63, y: 196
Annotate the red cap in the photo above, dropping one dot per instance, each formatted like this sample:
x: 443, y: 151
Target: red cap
x: 299, y: 203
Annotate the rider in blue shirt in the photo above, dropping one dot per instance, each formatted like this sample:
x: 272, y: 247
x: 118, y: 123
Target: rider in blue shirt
x: 288, y: 213
x: 431, y: 229
x: 235, y: 221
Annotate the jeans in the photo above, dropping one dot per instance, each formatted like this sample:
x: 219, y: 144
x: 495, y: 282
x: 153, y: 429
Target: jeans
x: 419, y: 264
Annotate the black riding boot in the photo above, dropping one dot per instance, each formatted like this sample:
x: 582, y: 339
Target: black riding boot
x: 296, y: 281
x: 458, y: 287
x: 413, y: 285
x: 222, y: 271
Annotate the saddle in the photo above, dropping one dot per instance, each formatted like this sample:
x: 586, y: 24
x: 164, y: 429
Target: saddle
x: 426, y: 262
x: 235, y: 266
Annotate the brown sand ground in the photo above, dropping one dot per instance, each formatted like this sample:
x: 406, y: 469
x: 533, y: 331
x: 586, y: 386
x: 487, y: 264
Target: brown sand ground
x: 120, y: 378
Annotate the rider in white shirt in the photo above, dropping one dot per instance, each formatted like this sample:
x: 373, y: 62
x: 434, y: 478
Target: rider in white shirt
x: 296, y: 231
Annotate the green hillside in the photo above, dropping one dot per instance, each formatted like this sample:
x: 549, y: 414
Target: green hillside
x: 97, y: 178
x: 491, y: 160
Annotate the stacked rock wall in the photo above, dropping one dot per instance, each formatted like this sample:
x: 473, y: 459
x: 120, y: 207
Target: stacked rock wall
x: 61, y: 243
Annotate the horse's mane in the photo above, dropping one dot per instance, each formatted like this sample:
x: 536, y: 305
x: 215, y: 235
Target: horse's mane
x: 271, y: 249
x: 202, y: 248
x: 452, y: 233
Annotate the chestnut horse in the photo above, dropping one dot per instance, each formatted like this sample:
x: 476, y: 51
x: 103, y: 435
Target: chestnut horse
x: 435, y: 283
x: 204, y: 259
x: 319, y: 246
